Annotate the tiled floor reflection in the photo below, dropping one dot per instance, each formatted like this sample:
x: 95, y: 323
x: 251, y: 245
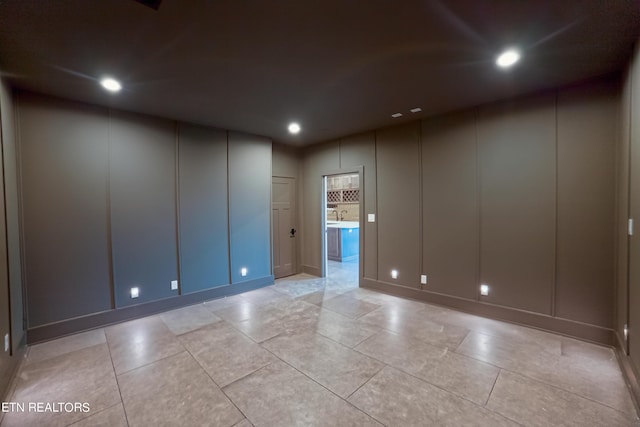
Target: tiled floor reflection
x: 312, y: 351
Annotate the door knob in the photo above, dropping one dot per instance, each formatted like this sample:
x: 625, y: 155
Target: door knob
x: 293, y: 232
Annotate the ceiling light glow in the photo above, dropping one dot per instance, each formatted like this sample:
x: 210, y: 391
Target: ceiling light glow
x: 396, y: 115
x: 508, y: 58
x: 112, y: 85
x: 294, y: 128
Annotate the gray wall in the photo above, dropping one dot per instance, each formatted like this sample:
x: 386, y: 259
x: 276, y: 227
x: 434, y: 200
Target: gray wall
x: 514, y: 194
x: 628, y: 206
x: 113, y: 200
x: 450, y: 204
x: 249, y: 194
x: 628, y: 300
x: 398, y: 216
x: 318, y: 160
x: 11, y: 296
x: 517, y: 164
x: 142, y: 170
x: 64, y: 164
x: 204, y: 208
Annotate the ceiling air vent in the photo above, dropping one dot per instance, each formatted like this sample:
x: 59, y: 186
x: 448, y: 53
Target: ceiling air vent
x: 153, y: 4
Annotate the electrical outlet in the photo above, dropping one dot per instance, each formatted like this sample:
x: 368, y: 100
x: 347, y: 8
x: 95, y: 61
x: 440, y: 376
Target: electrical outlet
x: 423, y: 279
x: 626, y: 332
x: 371, y: 217
x: 6, y: 342
x: 174, y: 285
x: 484, y: 290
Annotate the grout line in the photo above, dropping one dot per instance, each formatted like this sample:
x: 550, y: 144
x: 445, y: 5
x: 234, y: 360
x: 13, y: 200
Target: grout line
x: 113, y: 366
x: 492, y: 387
x: 384, y: 365
x: 554, y: 386
x: 96, y: 413
x: 322, y: 385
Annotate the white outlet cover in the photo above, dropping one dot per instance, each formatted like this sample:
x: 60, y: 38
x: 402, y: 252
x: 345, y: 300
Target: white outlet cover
x: 6, y: 342
x: 174, y: 285
x: 423, y: 279
x: 371, y: 217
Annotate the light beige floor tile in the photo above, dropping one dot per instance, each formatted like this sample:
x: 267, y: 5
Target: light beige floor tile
x: 599, y: 380
x: 534, y: 403
x: 139, y: 342
x: 241, y: 310
x: 386, y: 300
x: 50, y: 349
x: 110, y: 417
x: 333, y: 365
x: 278, y: 395
x: 175, y: 391
x: 188, y: 319
x: 225, y: 353
x: 584, y: 350
x: 461, y: 375
x: 545, y: 341
x: 341, y: 329
x: 349, y: 306
x: 80, y: 376
x: 222, y: 303
x: 264, y: 296
x: 244, y: 423
x: 273, y: 319
x: 319, y: 297
x: 397, y: 399
x: 300, y: 285
x: 418, y: 324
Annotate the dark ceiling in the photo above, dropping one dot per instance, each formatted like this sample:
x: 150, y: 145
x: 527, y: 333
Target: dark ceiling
x: 336, y: 66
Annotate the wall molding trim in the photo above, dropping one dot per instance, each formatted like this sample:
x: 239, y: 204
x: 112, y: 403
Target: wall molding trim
x: 8, y: 382
x: 629, y: 372
x: 109, y: 317
x: 571, y: 328
x: 314, y: 271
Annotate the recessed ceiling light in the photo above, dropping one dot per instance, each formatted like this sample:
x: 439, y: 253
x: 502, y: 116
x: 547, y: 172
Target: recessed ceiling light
x: 294, y: 128
x: 112, y: 85
x: 416, y: 110
x: 507, y: 58
x: 396, y: 115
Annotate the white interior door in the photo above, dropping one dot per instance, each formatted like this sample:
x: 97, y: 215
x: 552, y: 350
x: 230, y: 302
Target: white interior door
x: 284, y: 228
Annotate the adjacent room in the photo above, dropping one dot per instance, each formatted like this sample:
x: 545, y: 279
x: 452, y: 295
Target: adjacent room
x: 337, y: 213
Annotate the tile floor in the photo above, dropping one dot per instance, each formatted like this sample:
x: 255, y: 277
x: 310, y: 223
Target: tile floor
x: 321, y: 352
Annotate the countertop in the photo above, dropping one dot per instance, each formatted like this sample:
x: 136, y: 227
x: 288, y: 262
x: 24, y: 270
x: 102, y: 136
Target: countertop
x: 343, y: 224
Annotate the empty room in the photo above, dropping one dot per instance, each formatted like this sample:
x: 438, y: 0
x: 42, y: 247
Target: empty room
x: 338, y: 213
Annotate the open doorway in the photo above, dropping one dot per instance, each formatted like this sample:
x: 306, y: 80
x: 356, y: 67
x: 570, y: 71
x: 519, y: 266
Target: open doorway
x: 341, y: 213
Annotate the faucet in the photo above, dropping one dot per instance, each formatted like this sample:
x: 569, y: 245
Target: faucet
x: 335, y: 211
x: 342, y: 212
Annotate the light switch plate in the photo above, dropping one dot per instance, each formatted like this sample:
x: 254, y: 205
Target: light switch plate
x: 630, y: 231
x: 6, y: 342
x: 174, y: 285
x: 423, y: 279
x: 371, y: 217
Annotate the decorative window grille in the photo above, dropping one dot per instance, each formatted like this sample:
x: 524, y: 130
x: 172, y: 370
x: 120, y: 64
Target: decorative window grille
x: 333, y: 196
x: 351, y: 195
x: 343, y: 196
